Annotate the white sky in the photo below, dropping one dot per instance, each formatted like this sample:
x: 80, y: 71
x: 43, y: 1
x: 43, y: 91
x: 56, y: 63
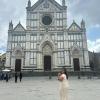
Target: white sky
x: 88, y: 10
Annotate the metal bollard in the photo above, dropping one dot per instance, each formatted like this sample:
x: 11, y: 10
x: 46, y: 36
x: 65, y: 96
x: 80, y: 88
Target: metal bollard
x: 50, y: 75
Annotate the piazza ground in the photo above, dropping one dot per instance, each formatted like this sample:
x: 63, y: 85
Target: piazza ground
x: 43, y: 88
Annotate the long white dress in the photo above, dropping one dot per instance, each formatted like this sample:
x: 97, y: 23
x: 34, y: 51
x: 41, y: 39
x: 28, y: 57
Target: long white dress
x: 64, y: 88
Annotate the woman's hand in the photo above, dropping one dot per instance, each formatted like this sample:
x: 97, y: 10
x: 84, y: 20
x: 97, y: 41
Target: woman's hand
x: 60, y: 78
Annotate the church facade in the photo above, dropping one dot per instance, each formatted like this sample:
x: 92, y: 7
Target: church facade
x: 47, y: 43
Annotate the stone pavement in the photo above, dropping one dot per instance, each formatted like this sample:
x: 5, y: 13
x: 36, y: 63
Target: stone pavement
x: 41, y: 88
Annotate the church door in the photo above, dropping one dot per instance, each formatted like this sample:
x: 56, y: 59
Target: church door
x: 76, y: 64
x: 18, y: 65
x: 47, y: 63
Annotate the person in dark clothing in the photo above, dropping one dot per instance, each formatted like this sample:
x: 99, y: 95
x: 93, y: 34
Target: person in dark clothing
x: 2, y: 76
x: 20, y: 76
x: 16, y: 77
x: 6, y: 77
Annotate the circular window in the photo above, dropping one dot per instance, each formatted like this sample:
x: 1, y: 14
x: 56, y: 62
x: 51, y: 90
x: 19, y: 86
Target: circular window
x: 46, y: 20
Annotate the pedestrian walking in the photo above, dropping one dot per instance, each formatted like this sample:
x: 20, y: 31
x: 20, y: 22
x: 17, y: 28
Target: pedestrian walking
x: 6, y: 77
x: 16, y: 77
x: 2, y: 76
x: 20, y: 76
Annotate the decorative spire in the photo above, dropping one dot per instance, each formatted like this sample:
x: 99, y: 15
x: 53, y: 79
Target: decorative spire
x: 19, y: 22
x: 29, y: 3
x: 10, y: 25
x: 73, y: 21
x: 83, y: 24
x: 63, y: 3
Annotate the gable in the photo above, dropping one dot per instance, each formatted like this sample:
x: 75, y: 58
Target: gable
x: 46, y: 40
x: 47, y: 5
x: 74, y: 27
x: 19, y: 27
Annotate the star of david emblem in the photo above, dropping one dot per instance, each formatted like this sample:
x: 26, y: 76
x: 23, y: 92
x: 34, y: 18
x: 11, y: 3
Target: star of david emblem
x: 46, y: 4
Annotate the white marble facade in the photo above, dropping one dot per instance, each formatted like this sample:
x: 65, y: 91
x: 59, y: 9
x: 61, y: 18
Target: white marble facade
x: 47, y: 39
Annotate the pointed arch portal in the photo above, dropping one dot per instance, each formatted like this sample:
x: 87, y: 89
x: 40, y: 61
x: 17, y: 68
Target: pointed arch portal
x: 18, y: 55
x: 47, y: 57
x: 76, y: 56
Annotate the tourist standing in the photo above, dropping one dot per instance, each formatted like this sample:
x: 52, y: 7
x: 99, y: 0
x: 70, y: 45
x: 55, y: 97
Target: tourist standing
x: 6, y: 77
x: 2, y: 76
x: 63, y: 78
x: 16, y: 77
x: 20, y: 76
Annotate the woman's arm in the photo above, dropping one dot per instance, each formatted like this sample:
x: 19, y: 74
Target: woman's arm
x: 60, y: 77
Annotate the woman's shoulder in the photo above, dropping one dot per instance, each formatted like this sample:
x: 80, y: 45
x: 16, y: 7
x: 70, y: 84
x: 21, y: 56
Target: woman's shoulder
x: 63, y: 75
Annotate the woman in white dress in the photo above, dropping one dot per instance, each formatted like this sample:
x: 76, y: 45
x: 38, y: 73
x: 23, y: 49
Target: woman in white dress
x: 63, y: 78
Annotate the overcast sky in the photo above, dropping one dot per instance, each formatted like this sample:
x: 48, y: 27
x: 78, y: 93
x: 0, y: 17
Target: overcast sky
x: 88, y: 10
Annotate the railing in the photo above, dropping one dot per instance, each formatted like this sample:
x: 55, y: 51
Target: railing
x: 88, y: 74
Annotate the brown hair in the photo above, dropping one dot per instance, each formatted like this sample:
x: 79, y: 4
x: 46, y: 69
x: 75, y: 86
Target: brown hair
x: 65, y: 72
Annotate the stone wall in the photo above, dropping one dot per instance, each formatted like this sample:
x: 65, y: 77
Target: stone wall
x: 94, y: 59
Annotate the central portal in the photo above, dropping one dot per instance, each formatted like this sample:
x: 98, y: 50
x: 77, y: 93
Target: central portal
x: 47, y: 63
x: 18, y: 65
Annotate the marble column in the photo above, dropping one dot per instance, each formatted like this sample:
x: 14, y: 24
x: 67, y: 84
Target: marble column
x: 39, y: 61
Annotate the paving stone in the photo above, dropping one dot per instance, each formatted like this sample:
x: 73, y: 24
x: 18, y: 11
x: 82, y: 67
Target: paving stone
x: 43, y: 88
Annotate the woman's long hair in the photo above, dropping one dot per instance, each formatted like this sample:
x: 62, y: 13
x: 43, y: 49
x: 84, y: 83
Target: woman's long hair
x: 65, y: 72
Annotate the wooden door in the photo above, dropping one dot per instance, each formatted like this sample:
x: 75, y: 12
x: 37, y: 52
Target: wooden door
x: 47, y: 63
x: 76, y: 64
x: 18, y: 65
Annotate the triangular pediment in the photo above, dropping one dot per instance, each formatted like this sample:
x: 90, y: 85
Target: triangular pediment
x: 18, y: 51
x: 46, y: 4
x: 19, y: 27
x: 47, y: 41
x: 74, y: 27
x: 75, y: 50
